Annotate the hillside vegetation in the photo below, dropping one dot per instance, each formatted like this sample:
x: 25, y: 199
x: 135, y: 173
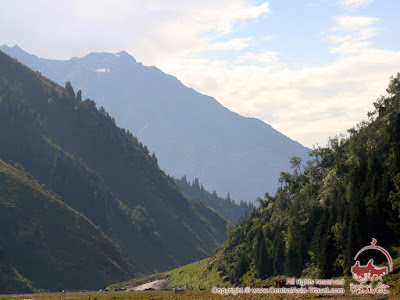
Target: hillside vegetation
x: 327, y: 209
x: 101, y: 171
x: 45, y: 243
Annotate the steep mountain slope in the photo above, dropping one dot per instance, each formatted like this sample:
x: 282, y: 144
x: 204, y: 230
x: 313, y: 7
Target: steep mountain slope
x: 319, y: 219
x: 46, y: 244
x: 102, y: 171
x: 192, y: 134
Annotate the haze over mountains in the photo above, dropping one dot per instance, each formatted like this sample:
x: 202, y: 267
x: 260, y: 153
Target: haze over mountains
x: 92, y: 206
x: 191, y: 134
x: 227, y: 207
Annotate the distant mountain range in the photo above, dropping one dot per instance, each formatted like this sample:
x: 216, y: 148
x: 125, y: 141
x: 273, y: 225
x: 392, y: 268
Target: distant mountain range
x: 82, y: 202
x: 191, y: 134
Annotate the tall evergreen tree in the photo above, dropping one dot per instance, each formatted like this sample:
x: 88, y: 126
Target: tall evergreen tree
x: 69, y: 90
x: 262, y: 260
x: 79, y: 95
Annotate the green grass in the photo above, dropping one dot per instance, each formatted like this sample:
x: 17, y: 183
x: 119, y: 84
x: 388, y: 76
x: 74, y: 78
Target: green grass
x: 195, y: 276
x: 198, y: 275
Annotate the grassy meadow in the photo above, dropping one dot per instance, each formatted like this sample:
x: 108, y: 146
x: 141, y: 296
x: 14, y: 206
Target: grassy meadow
x: 160, y: 295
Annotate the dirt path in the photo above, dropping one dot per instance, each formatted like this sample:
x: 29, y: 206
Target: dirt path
x: 155, y: 285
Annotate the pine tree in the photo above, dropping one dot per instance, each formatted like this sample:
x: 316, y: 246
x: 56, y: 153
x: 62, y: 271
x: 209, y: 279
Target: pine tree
x: 278, y: 255
x: 261, y: 255
x: 79, y: 95
x: 228, y: 197
x: 69, y: 89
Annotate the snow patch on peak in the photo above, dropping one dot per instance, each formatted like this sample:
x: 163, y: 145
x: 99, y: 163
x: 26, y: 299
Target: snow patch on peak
x: 103, y: 70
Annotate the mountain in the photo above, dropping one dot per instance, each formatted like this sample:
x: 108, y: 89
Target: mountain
x: 101, y: 171
x: 45, y: 243
x: 192, y: 134
x: 320, y: 218
x: 227, y: 207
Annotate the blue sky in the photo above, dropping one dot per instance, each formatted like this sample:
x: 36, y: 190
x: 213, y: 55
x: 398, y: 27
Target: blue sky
x: 310, y: 68
x: 299, y: 29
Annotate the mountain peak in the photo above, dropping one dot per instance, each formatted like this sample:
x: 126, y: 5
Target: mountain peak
x: 122, y: 53
x: 105, y: 59
x: 13, y: 49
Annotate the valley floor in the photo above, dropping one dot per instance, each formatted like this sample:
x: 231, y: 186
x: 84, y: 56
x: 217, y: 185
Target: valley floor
x: 187, y: 295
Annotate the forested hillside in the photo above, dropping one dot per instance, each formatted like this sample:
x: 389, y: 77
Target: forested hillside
x: 227, y: 207
x: 101, y: 171
x: 46, y: 244
x: 327, y: 208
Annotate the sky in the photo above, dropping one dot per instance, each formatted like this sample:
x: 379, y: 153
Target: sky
x: 310, y: 68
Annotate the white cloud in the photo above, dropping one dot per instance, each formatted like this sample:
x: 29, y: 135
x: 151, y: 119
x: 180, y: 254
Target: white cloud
x: 308, y: 104
x: 234, y: 44
x: 353, y: 22
x: 268, y: 38
x: 352, y: 34
x: 193, y: 29
x: 151, y: 30
x: 267, y: 58
x: 355, y: 3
